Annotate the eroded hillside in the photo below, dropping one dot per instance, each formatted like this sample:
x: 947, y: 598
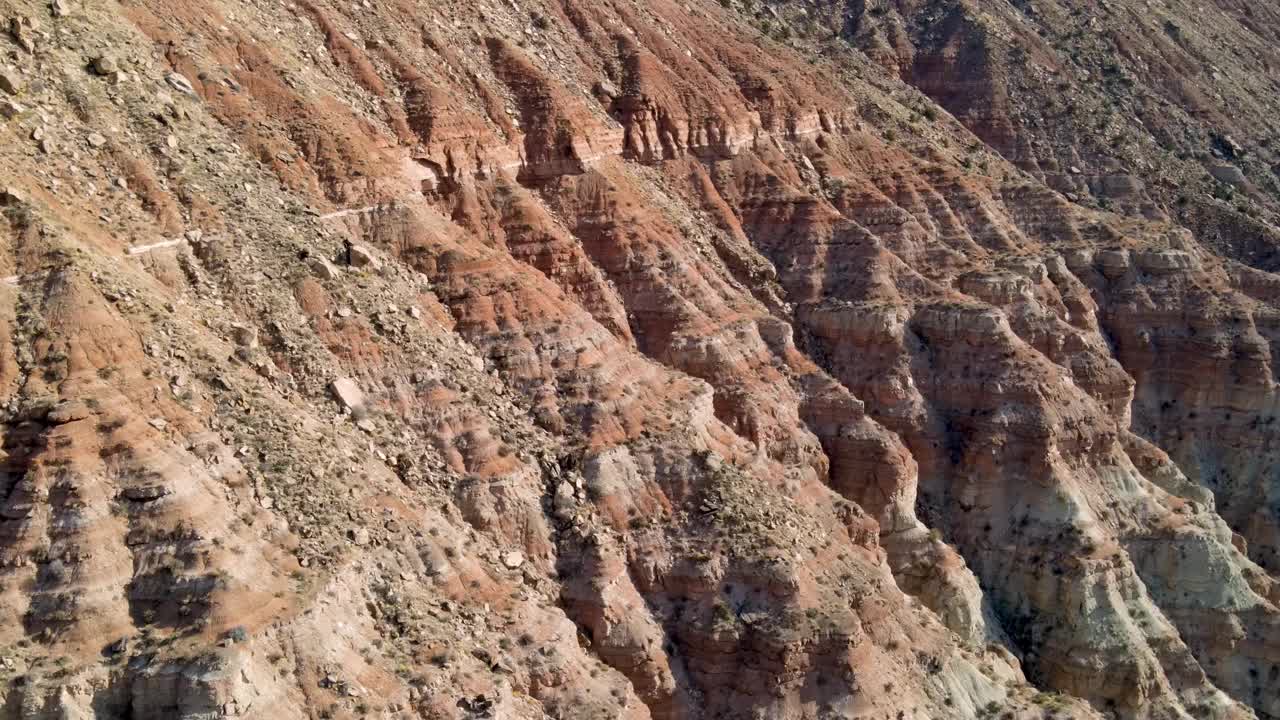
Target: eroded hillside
x: 581, y: 359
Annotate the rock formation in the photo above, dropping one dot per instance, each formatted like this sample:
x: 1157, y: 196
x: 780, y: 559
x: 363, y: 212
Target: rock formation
x: 672, y: 360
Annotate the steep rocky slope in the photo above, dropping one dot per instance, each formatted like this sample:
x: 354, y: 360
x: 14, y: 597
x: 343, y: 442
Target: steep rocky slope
x: 626, y: 360
x: 1163, y: 110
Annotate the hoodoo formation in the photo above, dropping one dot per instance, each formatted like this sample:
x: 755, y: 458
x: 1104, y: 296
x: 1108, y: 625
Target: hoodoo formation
x: 639, y: 359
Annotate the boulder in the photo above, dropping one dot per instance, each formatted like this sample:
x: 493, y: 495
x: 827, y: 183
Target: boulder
x: 104, y: 65
x: 606, y: 89
x: 10, y: 82
x: 348, y: 393
x: 179, y: 82
x: 322, y: 268
x: 361, y: 256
